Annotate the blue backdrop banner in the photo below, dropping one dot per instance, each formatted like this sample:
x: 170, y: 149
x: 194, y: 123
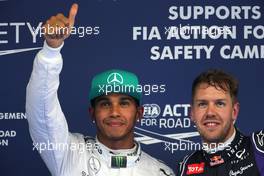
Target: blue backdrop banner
x: 167, y: 43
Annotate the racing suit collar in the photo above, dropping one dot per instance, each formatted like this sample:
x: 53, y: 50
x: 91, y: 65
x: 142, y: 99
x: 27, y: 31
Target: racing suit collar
x: 219, y: 157
x: 122, y: 158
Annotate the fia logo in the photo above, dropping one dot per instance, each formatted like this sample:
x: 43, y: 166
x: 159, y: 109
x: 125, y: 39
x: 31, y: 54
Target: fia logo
x: 151, y: 110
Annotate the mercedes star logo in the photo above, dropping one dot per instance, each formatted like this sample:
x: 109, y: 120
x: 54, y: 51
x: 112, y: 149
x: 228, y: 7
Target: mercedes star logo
x: 94, y: 164
x: 115, y: 78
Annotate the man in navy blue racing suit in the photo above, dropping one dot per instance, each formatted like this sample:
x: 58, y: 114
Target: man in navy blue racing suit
x: 225, y: 150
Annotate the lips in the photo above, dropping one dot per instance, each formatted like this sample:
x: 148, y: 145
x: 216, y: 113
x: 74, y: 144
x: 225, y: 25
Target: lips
x: 114, y: 123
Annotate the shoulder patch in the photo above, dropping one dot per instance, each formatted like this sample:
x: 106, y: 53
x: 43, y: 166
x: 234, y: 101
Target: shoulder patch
x: 258, y: 140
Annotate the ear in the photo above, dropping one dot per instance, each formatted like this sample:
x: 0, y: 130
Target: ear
x: 139, y: 114
x: 91, y: 112
x: 235, y: 112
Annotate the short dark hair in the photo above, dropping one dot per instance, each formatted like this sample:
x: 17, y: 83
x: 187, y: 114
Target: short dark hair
x: 219, y: 79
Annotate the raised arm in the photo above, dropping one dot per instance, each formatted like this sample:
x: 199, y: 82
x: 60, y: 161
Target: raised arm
x: 47, y: 124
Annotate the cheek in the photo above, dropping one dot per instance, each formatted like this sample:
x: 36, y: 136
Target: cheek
x: 130, y: 115
x: 100, y: 115
x: 101, y: 112
x: 197, y: 115
x: 226, y: 113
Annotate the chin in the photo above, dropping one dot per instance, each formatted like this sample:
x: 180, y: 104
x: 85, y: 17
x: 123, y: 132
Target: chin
x: 213, y: 138
x: 210, y: 136
x: 116, y: 137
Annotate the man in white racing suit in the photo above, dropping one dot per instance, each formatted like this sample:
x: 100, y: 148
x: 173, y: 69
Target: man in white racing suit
x: 113, y: 152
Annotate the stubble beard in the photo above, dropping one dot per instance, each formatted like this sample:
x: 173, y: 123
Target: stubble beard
x: 220, y: 137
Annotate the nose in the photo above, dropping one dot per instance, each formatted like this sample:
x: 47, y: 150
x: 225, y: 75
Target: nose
x: 115, y: 111
x: 211, y: 110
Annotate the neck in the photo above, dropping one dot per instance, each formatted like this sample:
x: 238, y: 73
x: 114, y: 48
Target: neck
x: 126, y: 142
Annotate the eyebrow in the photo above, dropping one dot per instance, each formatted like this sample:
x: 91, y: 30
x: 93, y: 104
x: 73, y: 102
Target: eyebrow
x: 122, y: 98
x: 220, y: 99
x: 101, y: 99
x: 126, y: 98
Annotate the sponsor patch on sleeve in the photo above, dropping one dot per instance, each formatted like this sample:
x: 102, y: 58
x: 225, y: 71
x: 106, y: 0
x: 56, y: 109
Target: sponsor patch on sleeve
x: 258, y: 139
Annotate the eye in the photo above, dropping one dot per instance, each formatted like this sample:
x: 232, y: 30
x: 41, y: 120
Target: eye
x: 124, y: 103
x: 202, y: 104
x: 220, y: 104
x: 104, y: 104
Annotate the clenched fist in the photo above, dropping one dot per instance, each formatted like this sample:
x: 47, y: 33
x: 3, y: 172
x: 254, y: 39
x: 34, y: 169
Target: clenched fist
x: 58, y: 28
